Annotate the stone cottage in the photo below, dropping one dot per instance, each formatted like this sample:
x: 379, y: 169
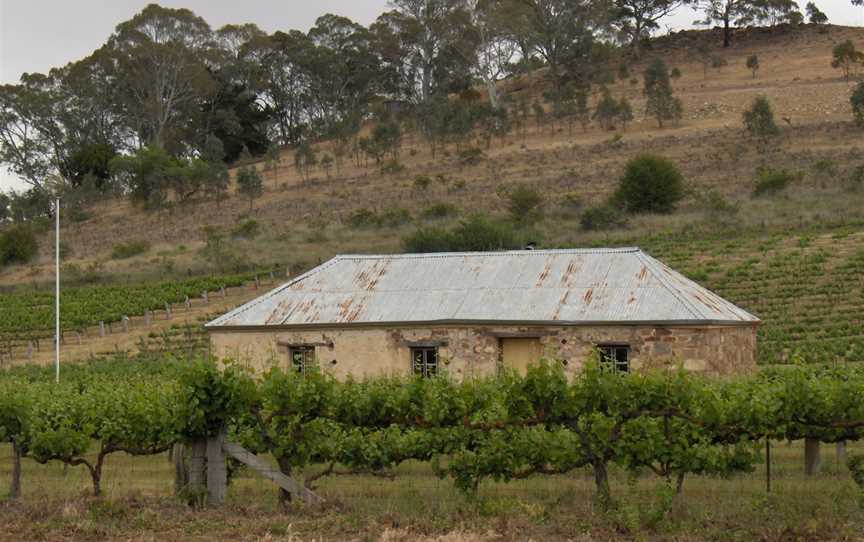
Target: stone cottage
x: 472, y: 314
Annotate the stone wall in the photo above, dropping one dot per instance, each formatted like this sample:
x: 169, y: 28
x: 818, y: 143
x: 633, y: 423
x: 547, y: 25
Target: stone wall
x: 468, y: 351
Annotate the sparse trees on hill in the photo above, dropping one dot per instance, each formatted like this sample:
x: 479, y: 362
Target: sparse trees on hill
x: 636, y: 19
x: 249, y: 184
x: 305, y: 159
x: 753, y: 64
x: 660, y: 103
x: 815, y: 15
x: 846, y: 58
x: 759, y: 119
x: 725, y: 12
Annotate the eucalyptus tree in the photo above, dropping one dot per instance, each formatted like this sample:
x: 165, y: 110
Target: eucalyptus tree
x: 563, y: 33
x: 493, y: 46
x: 160, y: 61
x: 725, y: 12
x: 428, y: 31
x: 636, y: 19
x: 31, y: 136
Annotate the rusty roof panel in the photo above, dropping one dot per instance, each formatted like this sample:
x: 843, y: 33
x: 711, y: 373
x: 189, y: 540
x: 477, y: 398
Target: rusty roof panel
x: 588, y: 285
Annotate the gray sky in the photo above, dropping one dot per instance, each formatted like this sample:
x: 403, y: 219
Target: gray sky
x: 36, y: 35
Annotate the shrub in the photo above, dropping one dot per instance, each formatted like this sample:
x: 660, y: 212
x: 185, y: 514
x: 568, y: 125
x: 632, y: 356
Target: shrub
x: 675, y: 73
x: 771, y: 181
x: 846, y: 58
x: 471, y: 156
x: 857, y: 101
x: 392, y: 167
x: 123, y: 251
x: 363, y: 218
x: 247, y: 229
x: 392, y: 218
x: 476, y: 233
x: 759, y: 119
x: 422, y: 182
x: 753, y: 64
x: 602, y: 217
x: 524, y: 204
x: 440, y: 210
x: 18, y: 244
x: 855, y: 182
x: 650, y: 184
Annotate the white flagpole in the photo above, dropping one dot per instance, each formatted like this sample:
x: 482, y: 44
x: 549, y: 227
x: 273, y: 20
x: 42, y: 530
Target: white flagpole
x: 57, y: 293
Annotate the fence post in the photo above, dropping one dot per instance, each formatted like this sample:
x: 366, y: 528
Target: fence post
x: 187, y: 303
x: 30, y: 351
x: 125, y: 321
x: 257, y: 283
x: 147, y: 317
x: 168, y: 311
x: 223, y: 292
x: 768, y: 464
x: 205, y: 297
x: 217, y: 471
x: 811, y: 456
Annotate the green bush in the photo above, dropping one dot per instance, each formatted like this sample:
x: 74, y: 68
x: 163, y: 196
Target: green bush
x: 602, y: 217
x: 855, y: 182
x: 18, y: 244
x: 127, y: 250
x: 422, y: 182
x: 392, y: 218
x: 470, y: 156
x: 771, y: 181
x: 759, y: 119
x: 475, y: 233
x: 524, y: 204
x: 363, y: 218
x: 651, y: 184
x: 440, y: 210
x: 247, y: 229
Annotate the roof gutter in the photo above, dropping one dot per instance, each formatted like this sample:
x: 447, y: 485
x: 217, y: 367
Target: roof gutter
x: 428, y: 323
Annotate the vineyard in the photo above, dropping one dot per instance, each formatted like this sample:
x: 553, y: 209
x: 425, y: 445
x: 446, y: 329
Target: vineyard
x: 30, y: 314
x: 806, y: 286
x: 670, y: 423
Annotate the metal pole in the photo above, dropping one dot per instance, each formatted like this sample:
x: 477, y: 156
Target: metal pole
x: 57, y: 293
x: 768, y: 464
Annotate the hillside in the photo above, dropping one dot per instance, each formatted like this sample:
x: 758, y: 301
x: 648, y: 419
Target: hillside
x: 817, y: 224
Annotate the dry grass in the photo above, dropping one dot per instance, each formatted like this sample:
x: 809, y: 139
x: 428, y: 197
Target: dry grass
x: 418, y: 506
x: 304, y: 222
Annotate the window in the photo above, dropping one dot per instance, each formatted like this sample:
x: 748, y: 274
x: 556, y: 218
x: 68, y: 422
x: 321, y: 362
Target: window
x: 424, y: 360
x: 302, y: 358
x: 616, y: 356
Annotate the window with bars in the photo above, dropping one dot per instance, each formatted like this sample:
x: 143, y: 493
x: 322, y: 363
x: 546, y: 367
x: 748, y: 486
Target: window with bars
x: 302, y: 358
x: 616, y: 356
x: 424, y: 360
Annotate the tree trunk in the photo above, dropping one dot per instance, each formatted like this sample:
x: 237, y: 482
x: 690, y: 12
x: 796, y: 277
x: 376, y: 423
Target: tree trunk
x: 811, y: 456
x: 284, y: 468
x: 679, y: 483
x: 492, y: 89
x: 181, y: 473
x: 727, y: 33
x: 601, y: 481
x: 15, y: 487
x: 197, y: 465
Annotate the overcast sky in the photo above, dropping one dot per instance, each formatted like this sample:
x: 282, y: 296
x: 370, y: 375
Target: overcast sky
x: 36, y: 35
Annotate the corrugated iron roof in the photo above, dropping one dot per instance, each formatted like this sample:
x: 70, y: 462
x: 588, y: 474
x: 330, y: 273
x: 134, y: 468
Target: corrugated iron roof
x: 576, y: 286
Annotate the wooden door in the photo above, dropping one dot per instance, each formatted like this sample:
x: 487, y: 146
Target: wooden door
x: 519, y: 353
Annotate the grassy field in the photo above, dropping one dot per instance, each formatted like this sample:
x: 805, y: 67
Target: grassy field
x: 416, y: 505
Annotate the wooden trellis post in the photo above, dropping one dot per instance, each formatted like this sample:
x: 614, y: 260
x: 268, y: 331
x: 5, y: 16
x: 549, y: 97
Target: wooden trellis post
x: 811, y: 456
x: 217, y: 470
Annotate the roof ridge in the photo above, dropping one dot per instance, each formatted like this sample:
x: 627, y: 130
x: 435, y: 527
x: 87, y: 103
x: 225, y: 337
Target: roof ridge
x: 528, y: 252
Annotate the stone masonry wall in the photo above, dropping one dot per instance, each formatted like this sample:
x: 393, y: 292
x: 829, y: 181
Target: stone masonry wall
x: 469, y: 351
